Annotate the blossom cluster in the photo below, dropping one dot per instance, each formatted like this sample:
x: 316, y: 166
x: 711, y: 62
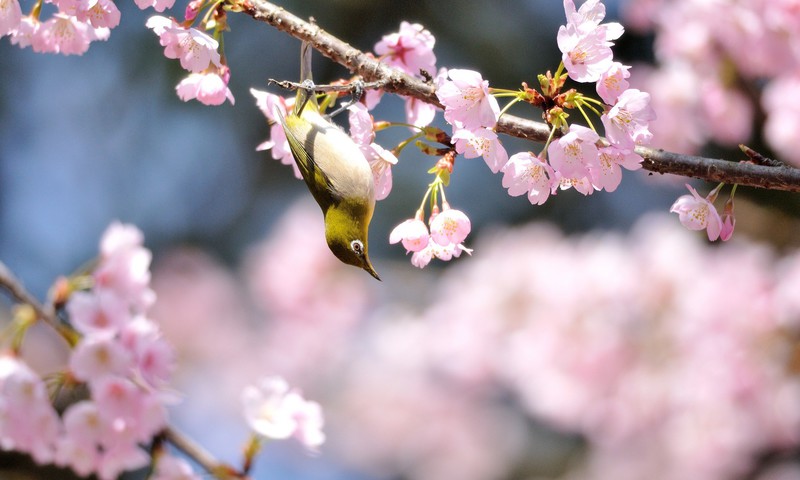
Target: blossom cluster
x: 448, y: 229
x: 121, y: 358
x: 662, y: 382
x: 578, y: 158
x: 69, y: 30
x: 77, y: 23
x: 706, y: 88
x: 198, y: 53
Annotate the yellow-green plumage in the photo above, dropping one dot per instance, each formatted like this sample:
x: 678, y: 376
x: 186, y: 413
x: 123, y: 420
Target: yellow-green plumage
x: 336, y: 172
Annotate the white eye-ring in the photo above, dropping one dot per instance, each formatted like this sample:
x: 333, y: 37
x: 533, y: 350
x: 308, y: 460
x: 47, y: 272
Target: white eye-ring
x: 357, y: 247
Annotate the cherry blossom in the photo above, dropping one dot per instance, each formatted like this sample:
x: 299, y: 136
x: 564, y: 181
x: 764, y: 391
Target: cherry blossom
x: 608, y: 175
x: 698, y: 213
x: 381, y: 162
x: 10, y: 16
x: 119, y: 458
x: 97, y: 357
x: 451, y: 226
x: 419, y: 113
x: 380, y: 159
x: 28, y: 422
x: 209, y: 87
x: 481, y: 142
x: 196, y: 50
x: 582, y: 184
x: 588, y: 17
x: 26, y: 33
x: 528, y: 174
x: 64, y: 34
x: 157, y: 5
x: 130, y: 413
x: 82, y: 457
x: 98, y: 13
x: 586, y: 56
x: 410, y: 49
x: 125, y: 268
x: 467, y: 101
x: 413, y: 233
x: 575, y: 153
x: 626, y: 124
x: 422, y: 258
x: 98, y: 312
x: 613, y: 82
x: 153, y: 357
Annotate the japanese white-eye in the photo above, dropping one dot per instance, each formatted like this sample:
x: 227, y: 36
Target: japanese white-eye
x: 336, y: 172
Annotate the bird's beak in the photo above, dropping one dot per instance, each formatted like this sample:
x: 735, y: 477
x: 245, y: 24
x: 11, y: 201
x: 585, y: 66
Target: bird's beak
x: 368, y: 267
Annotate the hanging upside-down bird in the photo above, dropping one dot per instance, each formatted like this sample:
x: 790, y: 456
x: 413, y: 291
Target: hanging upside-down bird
x: 335, y: 170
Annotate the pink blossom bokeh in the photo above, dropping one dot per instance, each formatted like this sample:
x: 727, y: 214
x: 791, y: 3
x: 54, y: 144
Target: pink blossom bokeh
x: 669, y: 358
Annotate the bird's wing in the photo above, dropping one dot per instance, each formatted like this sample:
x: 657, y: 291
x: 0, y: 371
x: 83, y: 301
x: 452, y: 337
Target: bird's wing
x: 312, y: 174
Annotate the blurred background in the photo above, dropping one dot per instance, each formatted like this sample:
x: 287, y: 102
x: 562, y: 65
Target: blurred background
x: 588, y: 337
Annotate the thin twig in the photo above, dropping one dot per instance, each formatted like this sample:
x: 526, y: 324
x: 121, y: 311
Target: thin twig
x: 12, y: 284
x: 370, y: 69
x: 201, y: 455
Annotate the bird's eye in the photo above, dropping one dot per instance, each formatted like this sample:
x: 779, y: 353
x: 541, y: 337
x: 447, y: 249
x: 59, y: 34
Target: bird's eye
x: 357, y: 247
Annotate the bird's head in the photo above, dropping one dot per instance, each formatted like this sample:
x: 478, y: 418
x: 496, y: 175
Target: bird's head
x: 346, y: 230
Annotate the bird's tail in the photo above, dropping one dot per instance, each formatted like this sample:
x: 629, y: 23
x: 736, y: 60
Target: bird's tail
x: 305, y: 97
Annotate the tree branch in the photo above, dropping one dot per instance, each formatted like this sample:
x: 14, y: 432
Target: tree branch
x: 655, y: 160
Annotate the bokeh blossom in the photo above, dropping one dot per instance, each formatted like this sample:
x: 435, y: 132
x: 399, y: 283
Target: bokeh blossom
x: 573, y: 344
x: 273, y: 410
x: 704, y: 88
x: 120, y: 366
x: 410, y: 49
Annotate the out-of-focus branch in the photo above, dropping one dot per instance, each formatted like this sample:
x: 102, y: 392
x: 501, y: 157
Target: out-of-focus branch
x: 200, y: 455
x: 10, y: 282
x: 655, y: 160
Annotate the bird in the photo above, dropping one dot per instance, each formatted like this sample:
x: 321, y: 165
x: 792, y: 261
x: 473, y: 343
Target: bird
x: 334, y: 169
